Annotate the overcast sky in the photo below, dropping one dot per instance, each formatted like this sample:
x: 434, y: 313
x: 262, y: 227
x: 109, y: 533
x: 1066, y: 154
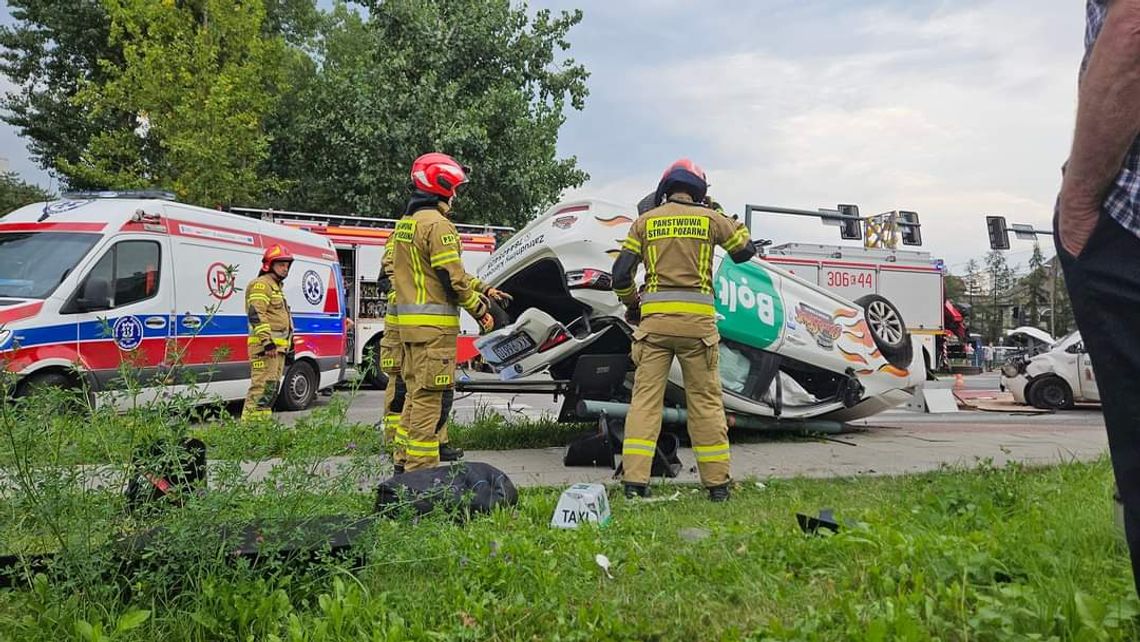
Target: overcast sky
x: 953, y: 109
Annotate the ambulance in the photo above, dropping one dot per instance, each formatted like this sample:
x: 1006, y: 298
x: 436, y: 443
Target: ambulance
x: 359, y: 243
x: 106, y: 289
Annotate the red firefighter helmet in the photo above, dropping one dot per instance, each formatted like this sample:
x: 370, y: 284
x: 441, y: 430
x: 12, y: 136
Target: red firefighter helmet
x: 438, y: 174
x: 273, y: 254
x: 686, y: 176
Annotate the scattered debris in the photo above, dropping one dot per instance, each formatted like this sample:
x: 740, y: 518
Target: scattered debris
x: 811, y: 525
x: 604, y: 562
x: 692, y: 534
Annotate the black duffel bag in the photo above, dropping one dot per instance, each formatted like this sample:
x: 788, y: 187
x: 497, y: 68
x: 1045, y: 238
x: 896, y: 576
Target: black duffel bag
x: 461, y: 489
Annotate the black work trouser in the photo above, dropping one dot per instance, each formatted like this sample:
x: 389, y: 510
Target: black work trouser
x: 1104, y: 286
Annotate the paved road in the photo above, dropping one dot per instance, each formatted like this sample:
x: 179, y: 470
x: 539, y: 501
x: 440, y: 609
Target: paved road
x: 894, y: 442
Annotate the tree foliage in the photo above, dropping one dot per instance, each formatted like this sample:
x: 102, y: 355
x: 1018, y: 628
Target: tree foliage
x: 198, y: 80
x: 477, y: 79
x: 275, y: 102
x: 16, y: 193
x: 53, y: 48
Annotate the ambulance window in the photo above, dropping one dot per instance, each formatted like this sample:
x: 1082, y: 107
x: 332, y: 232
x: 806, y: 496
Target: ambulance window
x: 131, y: 267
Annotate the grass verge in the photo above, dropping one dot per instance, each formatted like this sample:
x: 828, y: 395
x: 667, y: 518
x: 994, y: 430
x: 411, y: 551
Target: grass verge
x: 984, y: 554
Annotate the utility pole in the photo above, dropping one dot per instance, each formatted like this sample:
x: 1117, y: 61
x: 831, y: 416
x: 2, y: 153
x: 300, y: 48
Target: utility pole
x: 1053, y: 299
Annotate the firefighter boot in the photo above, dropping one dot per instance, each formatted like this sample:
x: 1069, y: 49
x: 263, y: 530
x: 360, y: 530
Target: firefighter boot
x: 634, y: 491
x: 718, y: 493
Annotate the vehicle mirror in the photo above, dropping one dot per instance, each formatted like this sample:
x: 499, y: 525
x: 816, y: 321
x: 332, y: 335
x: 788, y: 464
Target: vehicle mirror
x: 96, y: 295
x: 1076, y: 348
x: 999, y: 235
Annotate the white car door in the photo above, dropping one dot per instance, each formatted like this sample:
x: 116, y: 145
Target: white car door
x: 1089, y: 390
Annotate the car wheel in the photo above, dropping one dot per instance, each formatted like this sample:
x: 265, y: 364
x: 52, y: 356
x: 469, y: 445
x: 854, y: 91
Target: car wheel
x: 1052, y: 393
x: 372, y: 374
x: 887, y: 329
x: 299, y: 388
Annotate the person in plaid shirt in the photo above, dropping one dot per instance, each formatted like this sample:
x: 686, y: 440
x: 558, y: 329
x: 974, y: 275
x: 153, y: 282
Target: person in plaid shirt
x: 1097, y: 234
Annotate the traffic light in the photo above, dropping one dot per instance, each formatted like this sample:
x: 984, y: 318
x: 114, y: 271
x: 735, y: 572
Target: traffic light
x: 852, y: 228
x: 999, y: 237
x: 909, y: 228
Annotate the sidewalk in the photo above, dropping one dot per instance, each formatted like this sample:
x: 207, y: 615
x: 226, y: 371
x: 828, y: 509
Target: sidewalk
x: 893, y: 443
x: 890, y: 448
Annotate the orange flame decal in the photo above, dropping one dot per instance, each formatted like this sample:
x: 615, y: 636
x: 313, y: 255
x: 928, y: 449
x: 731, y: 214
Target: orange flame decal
x: 853, y: 357
x: 891, y: 370
x: 615, y: 221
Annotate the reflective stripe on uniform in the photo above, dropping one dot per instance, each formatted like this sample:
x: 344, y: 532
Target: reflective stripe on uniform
x: 264, y: 298
x: 447, y: 321
x: 677, y: 295
x: 651, y: 279
x: 443, y: 258
x: 418, y: 275
x: 704, y: 267
x: 262, y: 327
x: 401, y: 432
x: 738, y: 239
x: 623, y: 292
x: 422, y: 448
x: 470, y: 301
x: 429, y: 308
x: 641, y: 447
x: 717, y: 452
x: 633, y: 245
x: 677, y: 307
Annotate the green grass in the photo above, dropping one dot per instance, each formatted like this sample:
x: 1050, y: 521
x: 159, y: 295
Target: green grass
x: 986, y: 554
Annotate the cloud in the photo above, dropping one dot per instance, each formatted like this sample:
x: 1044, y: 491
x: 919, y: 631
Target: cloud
x: 957, y: 112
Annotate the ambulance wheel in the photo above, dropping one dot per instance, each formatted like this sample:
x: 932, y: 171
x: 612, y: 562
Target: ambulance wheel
x: 887, y: 329
x: 299, y: 388
x: 44, y: 381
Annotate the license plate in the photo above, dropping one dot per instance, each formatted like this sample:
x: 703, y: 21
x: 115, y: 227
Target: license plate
x: 512, y: 346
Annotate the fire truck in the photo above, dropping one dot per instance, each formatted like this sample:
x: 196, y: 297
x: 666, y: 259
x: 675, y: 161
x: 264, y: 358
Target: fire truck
x: 359, y: 243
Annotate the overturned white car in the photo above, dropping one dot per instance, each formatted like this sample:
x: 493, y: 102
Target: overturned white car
x: 789, y: 349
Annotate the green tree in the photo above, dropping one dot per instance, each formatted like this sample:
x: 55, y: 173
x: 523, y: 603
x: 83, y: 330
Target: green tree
x: 62, y: 53
x: 16, y: 193
x: 478, y: 79
x: 51, y: 49
x: 999, y: 297
x: 198, y: 78
x: 953, y: 287
x: 1035, y: 287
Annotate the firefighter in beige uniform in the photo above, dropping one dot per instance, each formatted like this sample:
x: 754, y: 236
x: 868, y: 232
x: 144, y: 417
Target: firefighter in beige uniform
x: 677, y: 319
x: 431, y: 285
x: 391, y: 361
x: 270, y: 332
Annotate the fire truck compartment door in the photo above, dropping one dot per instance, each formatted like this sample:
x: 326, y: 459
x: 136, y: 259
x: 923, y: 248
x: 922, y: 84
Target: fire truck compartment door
x: 368, y: 261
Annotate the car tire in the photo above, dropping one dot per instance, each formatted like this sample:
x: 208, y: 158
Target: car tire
x: 299, y: 387
x: 1051, y: 393
x: 372, y: 374
x: 887, y: 329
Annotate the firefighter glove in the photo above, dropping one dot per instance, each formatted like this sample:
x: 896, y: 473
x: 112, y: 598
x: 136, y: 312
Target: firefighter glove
x: 486, y: 323
x: 499, y: 296
x: 633, y: 314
